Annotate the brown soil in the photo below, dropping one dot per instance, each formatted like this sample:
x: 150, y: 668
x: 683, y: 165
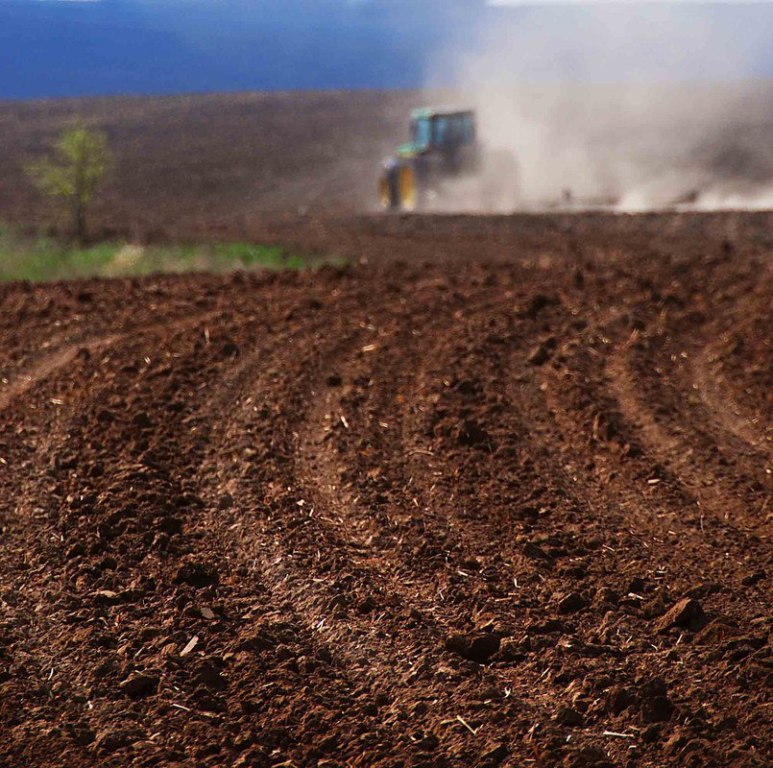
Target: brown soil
x: 503, y: 502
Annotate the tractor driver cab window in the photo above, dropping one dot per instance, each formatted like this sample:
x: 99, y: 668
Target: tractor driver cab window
x: 421, y: 132
x: 441, y: 131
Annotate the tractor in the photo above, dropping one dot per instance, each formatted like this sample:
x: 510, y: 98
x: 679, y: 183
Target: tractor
x: 444, y: 145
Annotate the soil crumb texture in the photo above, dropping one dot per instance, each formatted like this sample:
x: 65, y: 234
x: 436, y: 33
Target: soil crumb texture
x: 497, y: 494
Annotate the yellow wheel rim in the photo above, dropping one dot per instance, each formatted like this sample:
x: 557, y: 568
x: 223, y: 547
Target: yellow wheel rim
x: 407, y: 189
x: 384, y: 194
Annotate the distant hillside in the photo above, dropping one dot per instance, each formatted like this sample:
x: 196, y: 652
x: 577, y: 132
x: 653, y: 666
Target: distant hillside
x: 226, y: 165
x: 197, y: 164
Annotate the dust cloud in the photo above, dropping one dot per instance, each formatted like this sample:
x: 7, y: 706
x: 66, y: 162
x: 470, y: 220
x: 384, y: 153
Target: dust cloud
x: 631, y: 108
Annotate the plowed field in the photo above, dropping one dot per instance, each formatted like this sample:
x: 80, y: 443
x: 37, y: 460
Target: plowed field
x: 508, y: 505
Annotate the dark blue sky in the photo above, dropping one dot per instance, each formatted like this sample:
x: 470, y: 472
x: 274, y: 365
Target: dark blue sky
x: 51, y: 48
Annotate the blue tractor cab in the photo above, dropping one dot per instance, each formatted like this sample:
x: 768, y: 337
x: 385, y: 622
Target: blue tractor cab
x: 432, y: 130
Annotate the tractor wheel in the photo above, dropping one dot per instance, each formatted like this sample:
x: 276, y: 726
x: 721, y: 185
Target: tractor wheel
x: 385, y: 193
x: 407, y: 189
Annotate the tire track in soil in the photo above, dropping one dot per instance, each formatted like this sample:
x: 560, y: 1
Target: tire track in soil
x: 521, y: 611
x: 637, y: 531
x: 268, y: 558
x: 719, y: 387
x: 366, y: 408
x: 678, y: 446
x: 631, y: 369
x: 408, y: 588
x: 317, y: 598
x: 216, y: 545
x: 706, y: 367
x: 651, y: 473
x: 50, y: 364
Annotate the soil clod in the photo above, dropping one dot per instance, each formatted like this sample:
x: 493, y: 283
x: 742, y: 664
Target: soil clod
x: 571, y: 603
x: 139, y: 685
x: 478, y: 647
x: 569, y: 716
x: 687, y: 614
x: 197, y: 575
